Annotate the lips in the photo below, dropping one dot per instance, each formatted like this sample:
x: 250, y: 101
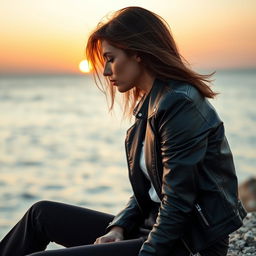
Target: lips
x: 113, y: 82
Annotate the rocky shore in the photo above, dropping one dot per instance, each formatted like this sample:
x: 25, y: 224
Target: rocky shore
x: 243, y: 241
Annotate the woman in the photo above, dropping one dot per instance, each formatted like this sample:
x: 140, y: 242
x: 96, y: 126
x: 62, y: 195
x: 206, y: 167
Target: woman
x: 180, y: 166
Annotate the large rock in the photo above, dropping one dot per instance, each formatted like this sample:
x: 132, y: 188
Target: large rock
x: 247, y: 194
x: 243, y: 241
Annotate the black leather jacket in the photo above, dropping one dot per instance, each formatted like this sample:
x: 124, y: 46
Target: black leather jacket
x: 190, y: 166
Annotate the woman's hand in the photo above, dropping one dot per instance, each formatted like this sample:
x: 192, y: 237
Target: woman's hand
x: 114, y: 235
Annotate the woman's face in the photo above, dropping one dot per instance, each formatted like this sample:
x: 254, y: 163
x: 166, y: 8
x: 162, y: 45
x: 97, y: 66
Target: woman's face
x: 122, y: 70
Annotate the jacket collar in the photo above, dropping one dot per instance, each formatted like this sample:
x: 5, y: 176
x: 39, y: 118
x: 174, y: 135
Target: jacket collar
x: 141, y: 109
x: 148, y: 104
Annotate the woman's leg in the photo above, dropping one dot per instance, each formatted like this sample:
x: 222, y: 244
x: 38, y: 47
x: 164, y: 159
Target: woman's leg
x: 49, y: 221
x: 129, y: 247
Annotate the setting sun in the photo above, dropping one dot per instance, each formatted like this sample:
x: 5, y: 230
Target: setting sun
x: 84, y: 66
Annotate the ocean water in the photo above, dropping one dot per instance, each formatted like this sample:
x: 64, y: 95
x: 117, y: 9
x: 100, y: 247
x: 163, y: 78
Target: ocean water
x: 58, y: 141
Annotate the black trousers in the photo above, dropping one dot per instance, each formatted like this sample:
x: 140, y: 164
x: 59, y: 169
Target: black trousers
x: 76, y: 228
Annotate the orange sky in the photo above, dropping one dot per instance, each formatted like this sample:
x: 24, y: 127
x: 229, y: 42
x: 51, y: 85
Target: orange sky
x: 49, y: 36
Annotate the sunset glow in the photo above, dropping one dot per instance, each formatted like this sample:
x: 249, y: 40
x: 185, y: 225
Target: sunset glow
x: 84, y: 66
x: 46, y: 37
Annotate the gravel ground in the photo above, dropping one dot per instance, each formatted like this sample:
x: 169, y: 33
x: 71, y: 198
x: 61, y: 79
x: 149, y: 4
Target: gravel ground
x: 243, y: 241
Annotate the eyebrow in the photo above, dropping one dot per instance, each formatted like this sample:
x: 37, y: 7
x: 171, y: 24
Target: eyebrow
x: 106, y: 53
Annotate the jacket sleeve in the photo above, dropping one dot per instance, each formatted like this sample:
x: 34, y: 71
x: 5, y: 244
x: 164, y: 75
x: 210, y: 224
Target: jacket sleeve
x: 129, y: 218
x: 182, y: 133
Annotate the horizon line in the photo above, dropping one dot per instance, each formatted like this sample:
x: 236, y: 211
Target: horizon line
x: 90, y: 74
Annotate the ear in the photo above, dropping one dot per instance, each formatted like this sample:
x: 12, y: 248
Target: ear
x: 137, y: 58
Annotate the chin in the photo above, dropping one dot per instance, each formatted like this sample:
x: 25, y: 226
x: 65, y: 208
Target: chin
x: 123, y: 89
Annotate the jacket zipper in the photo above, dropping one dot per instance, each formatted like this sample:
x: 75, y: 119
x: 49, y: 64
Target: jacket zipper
x: 202, y: 215
x: 157, y: 174
x: 129, y: 169
x: 187, y: 247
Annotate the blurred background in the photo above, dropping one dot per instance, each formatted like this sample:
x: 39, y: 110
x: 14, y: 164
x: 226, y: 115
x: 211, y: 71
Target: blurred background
x: 57, y: 138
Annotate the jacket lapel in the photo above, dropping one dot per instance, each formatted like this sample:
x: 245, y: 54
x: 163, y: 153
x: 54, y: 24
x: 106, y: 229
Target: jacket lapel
x: 153, y: 162
x: 133, y: 143
x: 143, y: 130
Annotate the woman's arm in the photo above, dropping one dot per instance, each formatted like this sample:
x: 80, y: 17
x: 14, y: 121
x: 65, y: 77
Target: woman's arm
x: 129, y: 218
x: 183, y: 137
x: 114, y: 235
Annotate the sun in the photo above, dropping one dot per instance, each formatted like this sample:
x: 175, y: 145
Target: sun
x: 85, y: 66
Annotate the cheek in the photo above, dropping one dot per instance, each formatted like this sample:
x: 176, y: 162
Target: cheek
x: 130, y: 70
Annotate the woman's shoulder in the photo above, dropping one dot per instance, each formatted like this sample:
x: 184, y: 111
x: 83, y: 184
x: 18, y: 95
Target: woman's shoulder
x: 177, y: 94
x: 182, y: 89
x: 173, y: 91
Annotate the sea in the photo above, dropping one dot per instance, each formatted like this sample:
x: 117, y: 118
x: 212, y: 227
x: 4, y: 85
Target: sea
x: 59, y: 142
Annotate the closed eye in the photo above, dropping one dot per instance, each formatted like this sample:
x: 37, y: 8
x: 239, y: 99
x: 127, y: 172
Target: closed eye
x: 110, y: 60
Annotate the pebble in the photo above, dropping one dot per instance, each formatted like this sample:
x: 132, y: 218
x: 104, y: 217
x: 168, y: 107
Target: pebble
x: 242, y: 242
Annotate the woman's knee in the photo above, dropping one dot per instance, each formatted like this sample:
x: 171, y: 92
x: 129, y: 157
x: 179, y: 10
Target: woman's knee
x: 39, y: 210
x: 41, y: 205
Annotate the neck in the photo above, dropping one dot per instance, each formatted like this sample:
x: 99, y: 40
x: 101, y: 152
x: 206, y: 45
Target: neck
x: 146, y: 82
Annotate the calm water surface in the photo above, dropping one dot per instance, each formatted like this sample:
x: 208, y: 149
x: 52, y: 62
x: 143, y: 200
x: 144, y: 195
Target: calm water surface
x: 58, y: 141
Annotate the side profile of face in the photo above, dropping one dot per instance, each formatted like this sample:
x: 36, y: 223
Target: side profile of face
x: 122, y: 70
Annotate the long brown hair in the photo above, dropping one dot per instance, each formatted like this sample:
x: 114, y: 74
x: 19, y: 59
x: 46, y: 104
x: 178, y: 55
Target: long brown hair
x: 140, y: 31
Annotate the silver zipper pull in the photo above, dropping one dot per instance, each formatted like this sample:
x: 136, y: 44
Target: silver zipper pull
x: 198, y: 207
x: 202, y: 215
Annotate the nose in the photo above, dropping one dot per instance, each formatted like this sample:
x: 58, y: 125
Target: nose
x: 107, y: 70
